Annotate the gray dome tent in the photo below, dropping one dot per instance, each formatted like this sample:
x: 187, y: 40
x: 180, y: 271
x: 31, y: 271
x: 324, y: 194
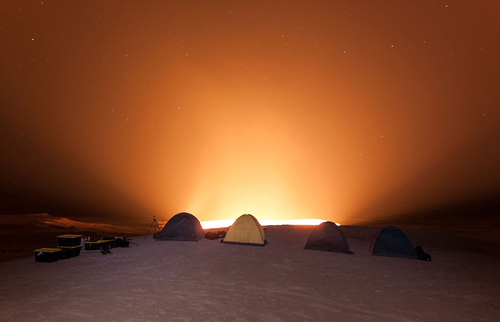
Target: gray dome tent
x: 328, y: 237
x: 182, y: 226
x: 392, y: 242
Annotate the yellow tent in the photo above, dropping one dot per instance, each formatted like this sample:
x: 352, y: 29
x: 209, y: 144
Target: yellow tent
x: 245, y: 230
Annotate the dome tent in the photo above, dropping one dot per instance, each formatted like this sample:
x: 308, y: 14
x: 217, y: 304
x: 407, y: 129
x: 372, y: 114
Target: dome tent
x: 182, y: 226
x: 245, y: 230
x: 391, y: 241
x: 328, y: 237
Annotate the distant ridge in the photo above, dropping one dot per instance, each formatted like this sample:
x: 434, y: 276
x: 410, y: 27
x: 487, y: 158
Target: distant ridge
x: 478, y: 219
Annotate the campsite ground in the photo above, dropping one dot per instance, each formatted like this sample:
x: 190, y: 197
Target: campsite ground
x: 210, y: 281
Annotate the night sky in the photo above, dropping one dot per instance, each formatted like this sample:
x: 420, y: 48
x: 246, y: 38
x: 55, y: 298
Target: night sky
x: 338, y: 110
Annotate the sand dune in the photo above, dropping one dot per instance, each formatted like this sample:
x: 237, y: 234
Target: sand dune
x: 210, y: 281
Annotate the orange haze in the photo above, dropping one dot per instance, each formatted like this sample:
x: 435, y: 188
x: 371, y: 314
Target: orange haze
x: 338, y: 110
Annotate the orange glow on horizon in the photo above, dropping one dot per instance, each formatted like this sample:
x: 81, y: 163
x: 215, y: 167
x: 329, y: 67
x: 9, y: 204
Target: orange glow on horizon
x: 219, y: 108
x: 298, y: 222
x: 256, y: 169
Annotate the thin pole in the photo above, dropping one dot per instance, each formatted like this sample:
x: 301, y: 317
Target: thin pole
x: 153, y: 224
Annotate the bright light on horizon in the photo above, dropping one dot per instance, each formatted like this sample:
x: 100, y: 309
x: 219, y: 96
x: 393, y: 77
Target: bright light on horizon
x: 217, y: 223
x: 228, y: 222
x: 298, y: 222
